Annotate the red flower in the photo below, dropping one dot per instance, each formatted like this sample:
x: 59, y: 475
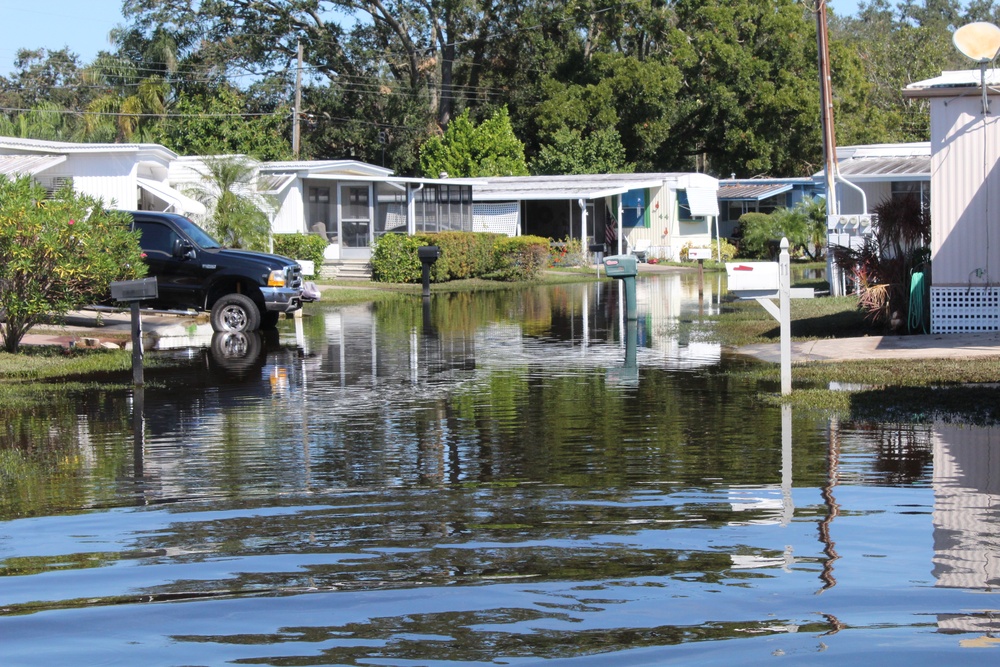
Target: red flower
x: 71, y: 221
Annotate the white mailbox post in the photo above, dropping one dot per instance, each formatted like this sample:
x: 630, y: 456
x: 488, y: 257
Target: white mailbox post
x: 763, y: 281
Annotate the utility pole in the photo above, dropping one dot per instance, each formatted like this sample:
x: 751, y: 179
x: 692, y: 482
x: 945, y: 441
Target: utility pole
x: 829, y: 138
x: 298, y: 104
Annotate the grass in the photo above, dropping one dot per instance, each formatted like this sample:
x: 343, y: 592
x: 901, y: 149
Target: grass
x: 47, y: 362
x: 882, y: 390
x: 354, y: 291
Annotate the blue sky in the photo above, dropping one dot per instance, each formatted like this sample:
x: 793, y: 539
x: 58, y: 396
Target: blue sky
x: 83, y: 25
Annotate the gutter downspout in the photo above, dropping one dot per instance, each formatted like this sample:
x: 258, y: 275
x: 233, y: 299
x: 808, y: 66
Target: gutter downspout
x: 582, y: 203
x: 411, y: 213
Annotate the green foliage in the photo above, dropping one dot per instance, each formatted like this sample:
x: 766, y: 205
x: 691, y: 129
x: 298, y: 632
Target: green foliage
x: 463, y: 255
x: 467, y: 150
x: 520, y: 258
x: 223, y: 122
x: 801, y: 226
x: 804, y: 225
x: 721, y: 248
x: 237, y: 218
x: 728, y: 250
x: 57, y: 255
x: 571, y: 152
x: 759, y: 233
x: 394, y: 259
x: 309, y: 247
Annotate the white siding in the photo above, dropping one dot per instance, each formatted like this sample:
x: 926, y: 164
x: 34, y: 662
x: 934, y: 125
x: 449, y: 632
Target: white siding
x: 965, y: 193
x: 291, y: 215
x: 110, y: 177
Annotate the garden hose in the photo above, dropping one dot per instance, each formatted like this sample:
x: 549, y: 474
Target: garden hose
x: 916, y: 318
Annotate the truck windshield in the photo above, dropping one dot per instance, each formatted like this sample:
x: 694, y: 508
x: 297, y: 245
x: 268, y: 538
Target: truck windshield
x: 196, y: 233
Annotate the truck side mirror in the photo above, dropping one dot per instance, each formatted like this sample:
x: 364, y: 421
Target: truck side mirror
x: 183, y: 249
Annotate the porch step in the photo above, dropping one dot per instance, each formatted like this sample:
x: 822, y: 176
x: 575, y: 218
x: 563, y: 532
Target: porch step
x: 346, y: 269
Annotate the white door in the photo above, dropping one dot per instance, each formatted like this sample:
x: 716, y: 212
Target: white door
x: 355, y: 219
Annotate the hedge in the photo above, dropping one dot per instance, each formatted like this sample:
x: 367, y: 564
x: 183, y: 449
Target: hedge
x: 463, y: 255
x: 309, y: 247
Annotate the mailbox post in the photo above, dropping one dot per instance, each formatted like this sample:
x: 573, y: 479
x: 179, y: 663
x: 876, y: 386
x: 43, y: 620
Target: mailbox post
x: 132, y: 292
x: 624, y: 268
x: 763, y: 281
x: 598, y: 249
x: 428, y: 254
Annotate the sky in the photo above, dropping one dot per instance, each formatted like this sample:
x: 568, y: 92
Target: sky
x: 83, y: 26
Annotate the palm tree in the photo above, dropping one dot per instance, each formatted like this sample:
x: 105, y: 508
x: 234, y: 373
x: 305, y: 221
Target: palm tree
x: 239, y: 212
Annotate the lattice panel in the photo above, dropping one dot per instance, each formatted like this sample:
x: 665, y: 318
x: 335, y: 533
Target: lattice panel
x: 965, y: 309
x: 500, y: 218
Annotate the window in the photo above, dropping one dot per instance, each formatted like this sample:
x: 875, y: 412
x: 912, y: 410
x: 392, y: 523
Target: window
x: 921, y: 189
x: 634, y: 208
x: 155, y: 238
x: 684, y: 207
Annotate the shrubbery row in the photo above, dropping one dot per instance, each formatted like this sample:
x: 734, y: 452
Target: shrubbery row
x: 463, y: 255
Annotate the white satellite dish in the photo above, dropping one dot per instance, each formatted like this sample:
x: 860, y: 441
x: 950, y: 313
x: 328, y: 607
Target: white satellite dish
x: 978, y: 41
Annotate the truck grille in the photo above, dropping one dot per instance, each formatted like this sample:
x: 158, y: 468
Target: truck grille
x: 293, y: 276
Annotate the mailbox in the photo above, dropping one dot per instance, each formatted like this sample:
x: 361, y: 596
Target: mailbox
x: 428, y: 253
x: 621, y: 266
x: 597, y: 247
x: 695, y: 254
x: 134, y: 290
x: 753, y: 278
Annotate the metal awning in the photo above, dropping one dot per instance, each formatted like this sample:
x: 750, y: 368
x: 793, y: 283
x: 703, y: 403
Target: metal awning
x: 29, y: 165
x: 174, y: 199
x: 703, y: 201
x: 751, y: 191
x: 572, y: 187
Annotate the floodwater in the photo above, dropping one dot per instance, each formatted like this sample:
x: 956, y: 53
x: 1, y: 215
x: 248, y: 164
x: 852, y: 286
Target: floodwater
x: 494, y: 479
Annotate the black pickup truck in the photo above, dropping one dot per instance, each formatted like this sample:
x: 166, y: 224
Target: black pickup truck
x: 243, y: 290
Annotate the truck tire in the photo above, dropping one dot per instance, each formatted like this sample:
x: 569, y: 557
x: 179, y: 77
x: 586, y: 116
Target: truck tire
x: 235, y: 312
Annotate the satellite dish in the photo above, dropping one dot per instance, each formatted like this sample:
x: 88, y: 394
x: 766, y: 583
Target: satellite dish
x: 978, y: 41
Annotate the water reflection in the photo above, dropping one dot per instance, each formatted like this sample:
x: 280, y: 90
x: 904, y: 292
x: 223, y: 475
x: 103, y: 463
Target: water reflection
x: 483, y: 479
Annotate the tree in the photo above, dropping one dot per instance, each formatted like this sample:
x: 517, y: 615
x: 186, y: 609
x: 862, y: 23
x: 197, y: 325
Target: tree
x: 220, y: 122
x: 57, y: 254
x: 599, y: 152
x: 238, y: 217
x: 465, y: 149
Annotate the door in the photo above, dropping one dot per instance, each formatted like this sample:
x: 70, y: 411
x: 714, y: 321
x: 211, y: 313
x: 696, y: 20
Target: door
x: 355, y: 204
x: 180, y: 277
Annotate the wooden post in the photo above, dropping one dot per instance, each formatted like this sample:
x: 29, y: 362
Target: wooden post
x: 137, y: 374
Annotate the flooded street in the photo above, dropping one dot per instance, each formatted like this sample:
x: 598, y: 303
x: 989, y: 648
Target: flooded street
x: 505, y: 478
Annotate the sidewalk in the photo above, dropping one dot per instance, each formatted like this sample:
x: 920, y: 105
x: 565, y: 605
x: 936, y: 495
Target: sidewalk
x: 931, y: 346
x: 88, y: 328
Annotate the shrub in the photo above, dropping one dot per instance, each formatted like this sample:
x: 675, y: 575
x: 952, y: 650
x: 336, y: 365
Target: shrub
x: 520, y: 258
x: 759, y: 236
x: 58, y: 254
x: 301, y: 246
x: 568, y: 252
x: 394, y: 259
x: 882, y: 268
x: 728, y: 250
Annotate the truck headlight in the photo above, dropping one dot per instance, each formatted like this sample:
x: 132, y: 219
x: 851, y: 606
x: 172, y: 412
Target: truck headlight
x: 276, y: 278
